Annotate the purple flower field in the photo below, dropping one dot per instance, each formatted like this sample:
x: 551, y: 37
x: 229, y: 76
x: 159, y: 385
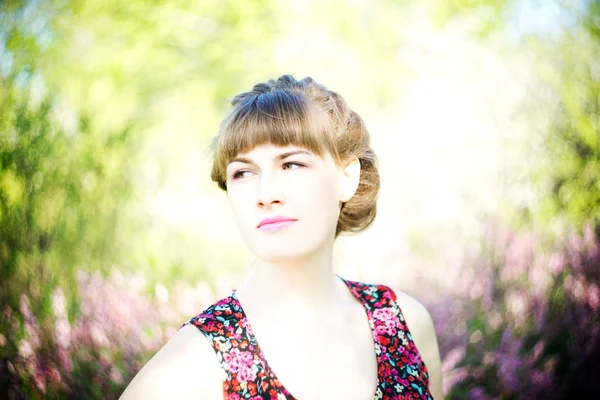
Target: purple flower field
x: 523, y: 323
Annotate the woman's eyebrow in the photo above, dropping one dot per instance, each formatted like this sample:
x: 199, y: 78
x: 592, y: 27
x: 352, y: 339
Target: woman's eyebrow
x: 291, y: 153
x: 242, y: 160
x: 281, y: 156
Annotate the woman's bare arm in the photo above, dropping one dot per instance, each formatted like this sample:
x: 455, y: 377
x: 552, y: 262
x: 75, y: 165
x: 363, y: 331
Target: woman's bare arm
x: 421, y: 327
x: 185, y: 368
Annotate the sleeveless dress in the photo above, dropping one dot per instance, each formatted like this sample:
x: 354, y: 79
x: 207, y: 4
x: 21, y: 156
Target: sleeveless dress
x: 246, y: 373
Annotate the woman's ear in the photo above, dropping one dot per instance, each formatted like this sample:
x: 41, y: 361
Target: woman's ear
x: 350, y: 177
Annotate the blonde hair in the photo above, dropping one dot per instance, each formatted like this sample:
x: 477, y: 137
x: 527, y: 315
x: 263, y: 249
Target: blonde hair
x: 306, y: 114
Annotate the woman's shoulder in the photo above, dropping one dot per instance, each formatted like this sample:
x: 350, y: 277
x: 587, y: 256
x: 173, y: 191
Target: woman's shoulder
x: 186, y: 361
x: 185, y: 366
x: 420, y: 324
x: 417, y: 319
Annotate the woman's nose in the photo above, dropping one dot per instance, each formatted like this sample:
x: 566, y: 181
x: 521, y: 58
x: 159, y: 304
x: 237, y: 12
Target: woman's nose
x: 269, y: 191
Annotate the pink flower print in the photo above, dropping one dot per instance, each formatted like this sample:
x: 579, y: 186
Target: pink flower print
x: 386, y: 321
x: 246, y: 358
x: 248, y: 327
x: 380, y: 329
x: 385, y: 314
x: 237, y: 360
x: 246, y: 374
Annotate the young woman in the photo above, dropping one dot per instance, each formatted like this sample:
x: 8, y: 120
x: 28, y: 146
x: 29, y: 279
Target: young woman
x: 298, y: 170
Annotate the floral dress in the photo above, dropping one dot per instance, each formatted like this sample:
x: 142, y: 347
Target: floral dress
x: 246, y: 374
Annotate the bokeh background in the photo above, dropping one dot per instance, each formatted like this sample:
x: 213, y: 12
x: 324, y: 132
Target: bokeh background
x: 485, y: 117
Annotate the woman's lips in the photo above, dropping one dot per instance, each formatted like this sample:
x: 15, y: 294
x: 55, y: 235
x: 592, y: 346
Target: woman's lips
x: 274, y: 224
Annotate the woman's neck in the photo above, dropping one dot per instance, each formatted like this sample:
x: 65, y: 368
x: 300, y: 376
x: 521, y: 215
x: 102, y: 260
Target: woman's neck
x: 302, y: 287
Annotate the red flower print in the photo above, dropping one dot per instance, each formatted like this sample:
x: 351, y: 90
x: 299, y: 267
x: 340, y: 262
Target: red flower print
x: 252, y: 388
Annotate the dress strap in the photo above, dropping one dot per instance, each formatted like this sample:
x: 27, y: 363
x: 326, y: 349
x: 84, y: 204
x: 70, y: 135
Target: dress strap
x: 246, y: 371
x: 403, y: 363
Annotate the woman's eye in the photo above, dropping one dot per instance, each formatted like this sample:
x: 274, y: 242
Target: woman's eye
x: 241, y: 174
x: 244, y: 173
x: 292, y: 165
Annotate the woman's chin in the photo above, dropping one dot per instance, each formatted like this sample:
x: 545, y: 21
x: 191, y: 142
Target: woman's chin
x: 278, y: 257
x: 280, y: 250
x: 282, y: 256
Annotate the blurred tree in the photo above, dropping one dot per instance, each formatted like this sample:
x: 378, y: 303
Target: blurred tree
x: 485, y: 16
x: 81, y: 85
x: 571, y: 174
x: 61, y: 187
x: 568, y: 177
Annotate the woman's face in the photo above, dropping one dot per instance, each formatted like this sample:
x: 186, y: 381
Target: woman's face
x: 286, y: 200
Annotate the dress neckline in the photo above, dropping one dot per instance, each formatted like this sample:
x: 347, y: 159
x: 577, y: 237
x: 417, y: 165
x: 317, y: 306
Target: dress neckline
x: 270, y: 370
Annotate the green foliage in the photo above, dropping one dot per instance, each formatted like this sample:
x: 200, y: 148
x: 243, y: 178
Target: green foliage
x: 107, y: 73
x: 60, y: 194
x: 58, y: 204
x: 570, y: 175
x: 575, y: 137
x: 81, y: 86
x: 486, y: 16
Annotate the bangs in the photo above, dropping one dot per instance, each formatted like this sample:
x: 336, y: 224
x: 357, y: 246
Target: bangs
x: 281, y: 118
